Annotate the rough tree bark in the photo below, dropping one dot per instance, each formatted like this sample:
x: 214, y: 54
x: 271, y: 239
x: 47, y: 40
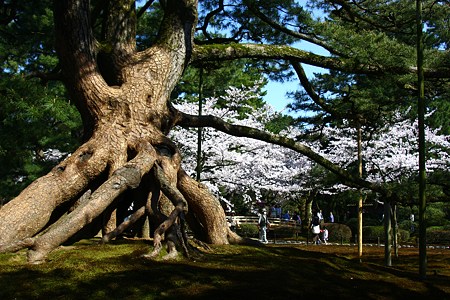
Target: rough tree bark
x: 122, y: 96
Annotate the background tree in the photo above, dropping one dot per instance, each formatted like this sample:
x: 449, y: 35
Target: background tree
x: 381, y: 22
x: 233, y: 164
x: 35, y: 114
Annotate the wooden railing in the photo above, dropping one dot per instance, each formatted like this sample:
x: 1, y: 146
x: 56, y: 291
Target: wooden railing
x: 273, y: 221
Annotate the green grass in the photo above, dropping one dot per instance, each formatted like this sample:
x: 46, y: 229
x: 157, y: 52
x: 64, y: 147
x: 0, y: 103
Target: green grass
x: 116, y: 271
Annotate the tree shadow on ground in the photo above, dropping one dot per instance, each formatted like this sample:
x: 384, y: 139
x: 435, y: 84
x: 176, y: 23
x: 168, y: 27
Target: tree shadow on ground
x: 228, y: 272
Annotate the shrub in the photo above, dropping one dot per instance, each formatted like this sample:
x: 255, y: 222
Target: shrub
x: 403, y: 235
x: 353, y: 224
x: 248, y: 230
x: 338, y: 232
x: 436, y: 215
x: 434, y: 228
x: 408, y: 225
x: 372, y: 233
x: 371, y: 222
x: 438, y: 235
x: 283, y: 232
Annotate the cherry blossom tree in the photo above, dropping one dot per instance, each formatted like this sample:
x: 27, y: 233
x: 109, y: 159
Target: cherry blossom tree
x: 390, y: 155
x: 241, y: 164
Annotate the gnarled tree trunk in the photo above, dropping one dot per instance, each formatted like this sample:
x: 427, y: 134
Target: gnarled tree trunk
x: 122, y: 96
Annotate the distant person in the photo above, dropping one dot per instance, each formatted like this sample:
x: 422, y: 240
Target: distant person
x: 319, y: 214
x: 331, y: 217
x: 315, y: 228
x: 263, y: 224
x: 296, y: 218
x: 273, y: 212
x: 229, y: 221
x: 277, y: 211
x: 234, y: 222
x: 325, y: 235
x: 286, y: 216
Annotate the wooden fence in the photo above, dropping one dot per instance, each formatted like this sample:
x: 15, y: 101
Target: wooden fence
x: 273, y: 221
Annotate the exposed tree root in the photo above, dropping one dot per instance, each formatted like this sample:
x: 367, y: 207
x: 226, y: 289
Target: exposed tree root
x: 196, y: 244
x: 209, y: 215
x: 234, y: 238
x: 171, y: 185
x: 25, y: 243
x: 169, y: 227
x: 29, y: 242
x: 129, y: 176
x: 30, y: 211
x: 124, y: 225
x: 182, y: 235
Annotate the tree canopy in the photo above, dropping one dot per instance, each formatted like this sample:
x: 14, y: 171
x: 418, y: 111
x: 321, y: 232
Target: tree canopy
x: 247, y: 166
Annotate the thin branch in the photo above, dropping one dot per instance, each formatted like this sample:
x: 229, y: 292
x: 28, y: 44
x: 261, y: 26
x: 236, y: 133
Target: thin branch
x: 144, y: 8
x: 234, y: 39
x: 385, y: 25
x: 287, y: 31
x: 311, y: 91
x: 208, y: 17
x: 45, y: 77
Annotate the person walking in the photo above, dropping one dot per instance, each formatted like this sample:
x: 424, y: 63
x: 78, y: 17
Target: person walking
x: 234, y: 223
x: 325, y: 235
x: 263, y: 224
x: 315, y: 227
x: 320, y: 216
x: 296, y: 218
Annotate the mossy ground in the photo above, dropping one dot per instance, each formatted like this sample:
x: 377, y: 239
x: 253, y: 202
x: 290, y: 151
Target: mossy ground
x: 88, y: 270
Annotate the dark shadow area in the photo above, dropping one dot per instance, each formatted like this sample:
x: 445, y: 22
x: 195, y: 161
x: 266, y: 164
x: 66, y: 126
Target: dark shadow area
x: 228, y: 272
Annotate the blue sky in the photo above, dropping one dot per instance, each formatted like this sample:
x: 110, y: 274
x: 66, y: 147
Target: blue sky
x: 276, y: 91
